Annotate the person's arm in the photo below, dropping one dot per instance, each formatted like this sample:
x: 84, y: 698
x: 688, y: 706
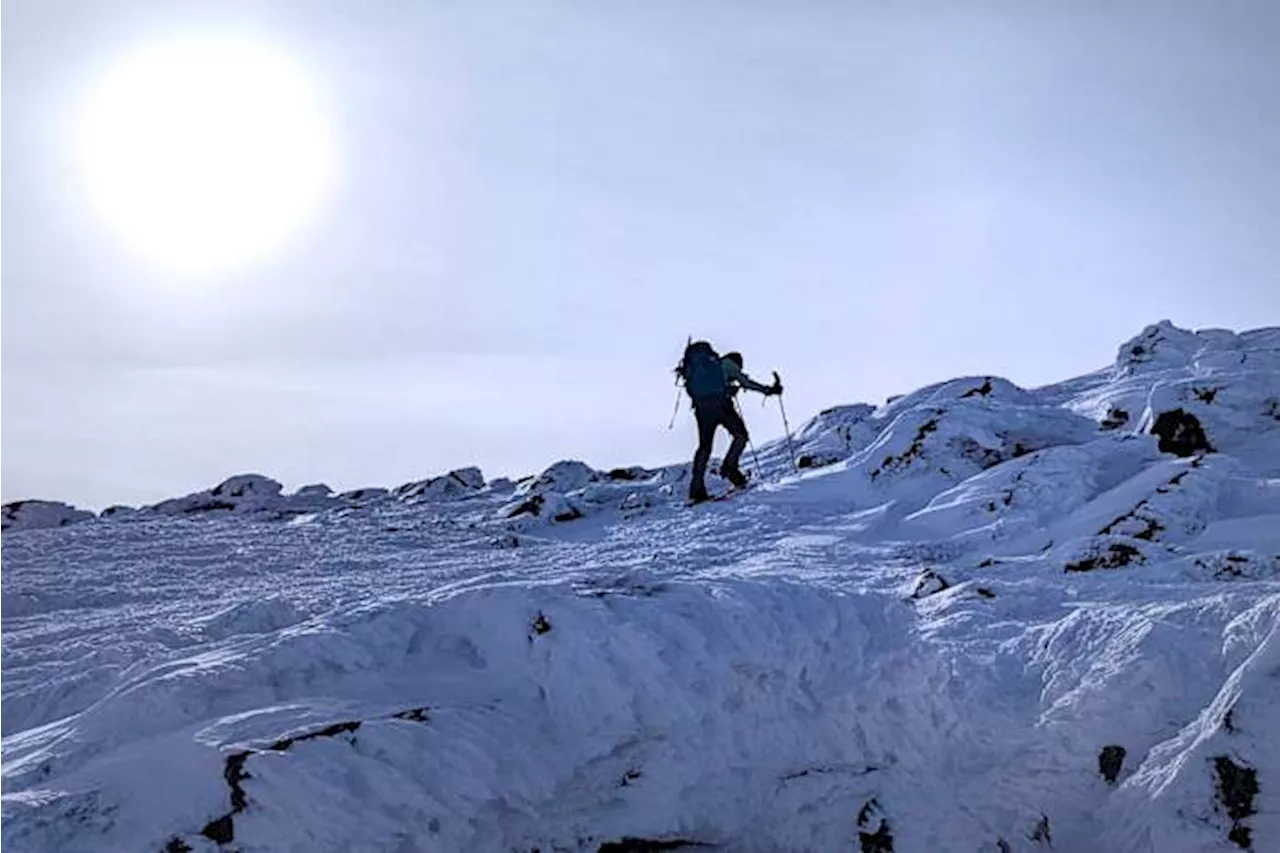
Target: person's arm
x: 736, y: 374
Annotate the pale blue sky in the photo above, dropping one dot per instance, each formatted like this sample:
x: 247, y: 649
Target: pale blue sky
x: 536, y: 202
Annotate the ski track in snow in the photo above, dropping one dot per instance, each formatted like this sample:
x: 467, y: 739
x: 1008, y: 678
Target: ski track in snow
x: 980, y: 618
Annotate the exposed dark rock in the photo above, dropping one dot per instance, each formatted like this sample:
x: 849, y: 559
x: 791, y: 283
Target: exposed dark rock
x: 1233, y: 565
x: 209, y: 506
x: 630, y: 590
x: 571, y: 514
x: 647, y: 845
x: 879, y: 841
x: 220, y: 831
x: 984, y: 457
x: 1117, y: 554
x: 624, y: 474
x: 1179, y: 432
x: 894, y: 463
x: 417, y: 715
x: 1229, y: 721
x: 1115, y: 418
x: 981, y: 391
x: 33, y: 514
x: 540, y: 624
x: 1205, y: 395
x: 234, y: 773
x: 1110, y: 762
x: 815, y: 460
x: 1137, y: 524
x: 984, y: 592
x: 531, y: 506
x: 455, y: 484
x: 629, y: 777
x: 328, y: 731
x: 362, y: 494
x: 928, y: 583
x: 246, y: 485
x: 818, y: 771
x: 1237, y: 791
x: 1040, y: 832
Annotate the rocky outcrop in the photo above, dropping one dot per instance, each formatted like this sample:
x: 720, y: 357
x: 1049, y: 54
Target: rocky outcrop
x: 32, y: 515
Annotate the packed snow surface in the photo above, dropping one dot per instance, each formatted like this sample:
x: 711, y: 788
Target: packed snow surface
x: 976, y: 618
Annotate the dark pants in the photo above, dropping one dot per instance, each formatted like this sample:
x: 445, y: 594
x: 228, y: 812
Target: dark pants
x: 712, y: 413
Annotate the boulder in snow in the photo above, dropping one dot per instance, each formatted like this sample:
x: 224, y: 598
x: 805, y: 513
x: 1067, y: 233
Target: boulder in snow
x: 564, y: 476
x: 1104, y: 552
x: 1110, y: 762
x: 30, y: 515
x: 1180, y: 433
x: 252, y: 495
x: 928, y: 583
x: 452, y: 485
x: 1158, y: 346
x: 247, y: 486
x: 551, y: 506
x: 368, y: 493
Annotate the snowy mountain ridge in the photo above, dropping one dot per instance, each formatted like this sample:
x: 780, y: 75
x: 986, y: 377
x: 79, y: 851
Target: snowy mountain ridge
x: 976, y: 618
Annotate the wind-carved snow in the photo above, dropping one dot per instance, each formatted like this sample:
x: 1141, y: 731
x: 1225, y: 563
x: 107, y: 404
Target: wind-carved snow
x: 977, y: 618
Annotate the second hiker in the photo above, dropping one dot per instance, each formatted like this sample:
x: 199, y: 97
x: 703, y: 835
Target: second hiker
x: 711, y: 382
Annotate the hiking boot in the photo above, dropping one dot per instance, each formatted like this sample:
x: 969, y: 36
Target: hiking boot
x: 734, y: 476
x: 698, y: 493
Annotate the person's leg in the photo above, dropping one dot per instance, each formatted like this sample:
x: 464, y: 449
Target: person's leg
x: 707, y: 422
x: 732, y: 421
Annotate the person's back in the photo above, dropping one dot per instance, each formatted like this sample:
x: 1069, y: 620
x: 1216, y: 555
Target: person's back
x: 711, y: 382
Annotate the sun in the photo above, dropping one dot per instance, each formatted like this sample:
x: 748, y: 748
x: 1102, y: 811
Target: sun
x: 204, y: 155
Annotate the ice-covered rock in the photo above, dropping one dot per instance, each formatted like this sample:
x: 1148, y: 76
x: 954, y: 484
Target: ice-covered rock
x: 564, y: 476
x: 452, y: 485
x: 34, y: 514
x: 833, y: 435
x: 1160, y: 346
x: 243, y: 493
x: 548, y: 506
x: 364, y: 495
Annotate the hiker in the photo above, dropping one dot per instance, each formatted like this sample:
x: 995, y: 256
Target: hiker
x: 711, y: 382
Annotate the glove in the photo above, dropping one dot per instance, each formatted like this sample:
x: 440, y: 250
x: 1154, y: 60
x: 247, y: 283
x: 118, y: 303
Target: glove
x: 777, y: 385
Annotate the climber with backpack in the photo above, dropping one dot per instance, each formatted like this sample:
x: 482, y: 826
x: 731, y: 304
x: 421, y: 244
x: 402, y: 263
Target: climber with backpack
x: 711, y: 382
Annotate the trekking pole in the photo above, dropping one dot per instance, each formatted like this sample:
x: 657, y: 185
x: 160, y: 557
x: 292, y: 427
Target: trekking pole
x: 791, y: 454
x: 755, y: 459
x: 675, y: 410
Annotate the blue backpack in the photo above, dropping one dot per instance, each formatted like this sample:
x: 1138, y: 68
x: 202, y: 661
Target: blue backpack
x: 700, y: 368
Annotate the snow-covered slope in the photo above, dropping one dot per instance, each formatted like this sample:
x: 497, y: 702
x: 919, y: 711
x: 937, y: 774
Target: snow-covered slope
x: 977, y: 618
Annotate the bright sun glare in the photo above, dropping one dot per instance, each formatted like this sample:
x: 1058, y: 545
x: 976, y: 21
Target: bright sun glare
x: 204, y: 155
